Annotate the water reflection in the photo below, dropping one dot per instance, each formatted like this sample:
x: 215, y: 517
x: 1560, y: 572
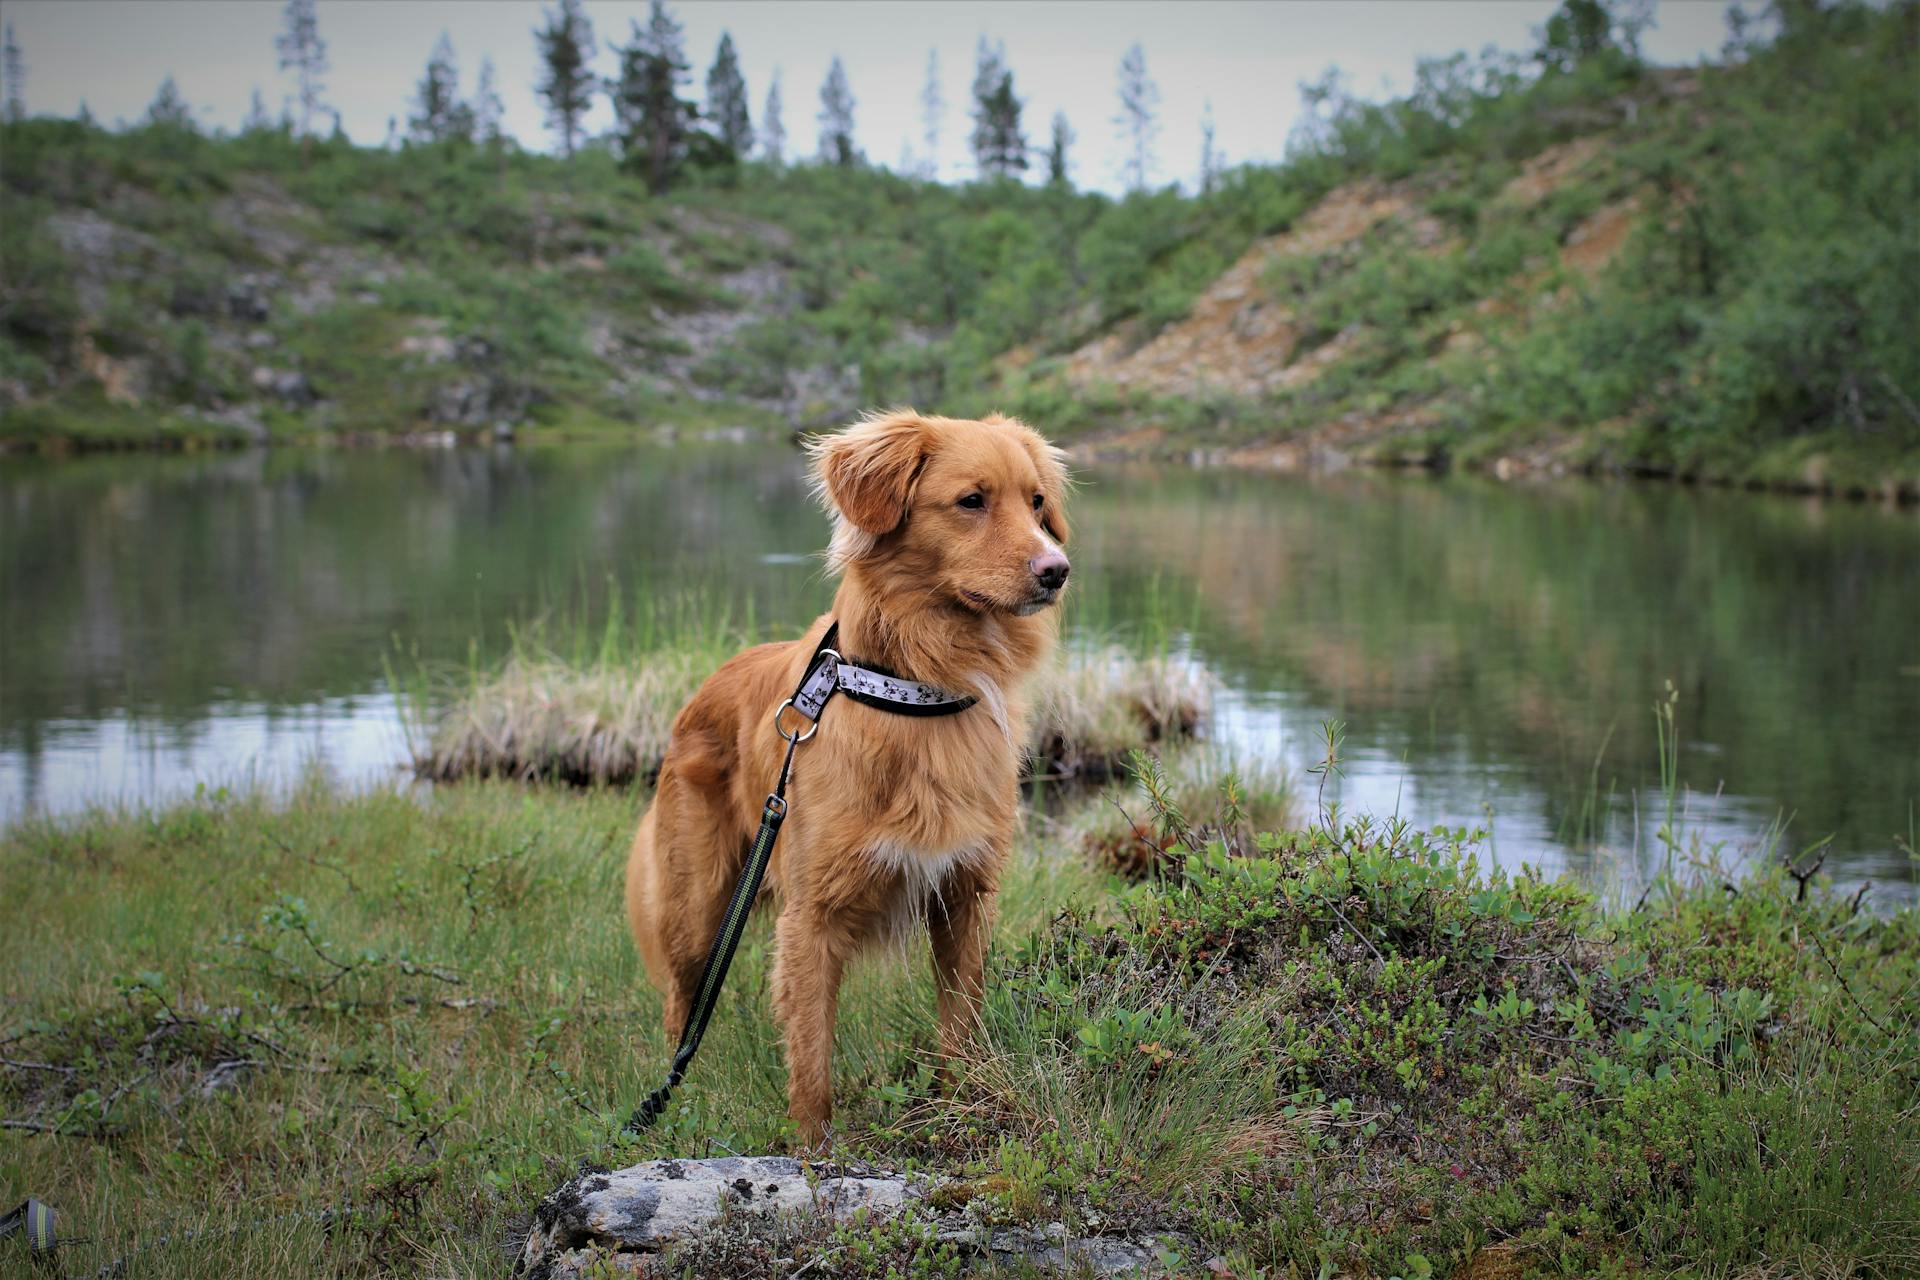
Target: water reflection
x: 1495, y: 650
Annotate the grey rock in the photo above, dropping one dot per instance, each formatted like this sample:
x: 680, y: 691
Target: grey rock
x: 243, y: 419
x: 650, y: 1204
x: 250, y: 298
x: 289, y: 386
x: 611, y: 1223
x: 479, y: 401
x: 429, y: 348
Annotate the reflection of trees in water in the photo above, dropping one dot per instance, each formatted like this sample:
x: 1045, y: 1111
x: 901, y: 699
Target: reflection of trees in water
x: 167, y: 584
x: 1520, y: 624
x: 1450, y: 619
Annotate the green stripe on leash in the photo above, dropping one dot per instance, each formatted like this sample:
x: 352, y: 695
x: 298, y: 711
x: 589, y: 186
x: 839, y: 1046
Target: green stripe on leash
x: 36, y: 1220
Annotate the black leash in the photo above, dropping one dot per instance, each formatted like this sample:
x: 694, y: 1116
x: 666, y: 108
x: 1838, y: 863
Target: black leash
x: 745, y: 890
x: 36, y: 1220
x: 827, y: 673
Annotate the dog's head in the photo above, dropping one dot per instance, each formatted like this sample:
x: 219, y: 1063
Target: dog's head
x: 975, y: 511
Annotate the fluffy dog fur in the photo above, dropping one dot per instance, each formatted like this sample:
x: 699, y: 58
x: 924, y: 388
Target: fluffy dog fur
x: 895, y: 820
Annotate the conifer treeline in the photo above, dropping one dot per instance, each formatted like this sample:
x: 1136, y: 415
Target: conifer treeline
x: 658, y: 132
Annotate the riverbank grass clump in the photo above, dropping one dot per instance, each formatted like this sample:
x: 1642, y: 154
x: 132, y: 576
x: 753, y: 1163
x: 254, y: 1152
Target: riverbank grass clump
x: 607, y: 721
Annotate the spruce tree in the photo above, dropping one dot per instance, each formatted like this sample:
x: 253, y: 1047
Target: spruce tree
x: 653, y: 120
x: 304, y: 53
x: 566, y: 82
x: 1210, y: 161
x: 773, y: 128
x: 169, y: 108
x: 727, y: 100
x: 1003, y: 150
x: 487, y: 109
x: 439, y: 115
x: 257, y: 120
x: 933, y: 107
x: 1059, y: 173
x: 13, y: 70
x: 989, y: 65
x: 1139, y: 97
x: 836, y: 119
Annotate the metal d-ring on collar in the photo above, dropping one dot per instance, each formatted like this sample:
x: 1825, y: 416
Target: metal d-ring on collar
x: 824, y: 654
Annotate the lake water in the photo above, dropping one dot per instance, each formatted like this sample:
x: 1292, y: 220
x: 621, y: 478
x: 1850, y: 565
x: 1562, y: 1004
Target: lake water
x: 1495, y: 650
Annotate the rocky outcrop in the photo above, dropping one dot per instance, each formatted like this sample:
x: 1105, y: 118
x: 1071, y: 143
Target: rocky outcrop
x: 615, y: 1223
x: 1239, y: 338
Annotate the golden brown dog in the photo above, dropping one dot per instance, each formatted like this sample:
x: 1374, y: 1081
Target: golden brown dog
x: 947, y: 536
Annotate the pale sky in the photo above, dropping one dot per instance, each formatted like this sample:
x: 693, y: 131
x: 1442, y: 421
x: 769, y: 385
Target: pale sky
x: 1245, y: 56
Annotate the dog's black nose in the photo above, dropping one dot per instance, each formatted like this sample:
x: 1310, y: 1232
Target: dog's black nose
x: 1051, y: 569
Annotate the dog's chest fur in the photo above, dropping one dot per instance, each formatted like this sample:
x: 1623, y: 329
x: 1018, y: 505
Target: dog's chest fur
x: 939, y: 807
x: 920, y: 881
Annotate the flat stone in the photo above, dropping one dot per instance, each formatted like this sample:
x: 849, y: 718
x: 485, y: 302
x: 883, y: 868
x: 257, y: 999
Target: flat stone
x: 641, y: 1208
x: 614, y: 1223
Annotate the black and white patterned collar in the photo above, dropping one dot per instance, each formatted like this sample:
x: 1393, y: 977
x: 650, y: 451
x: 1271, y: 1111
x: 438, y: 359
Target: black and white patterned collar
x: 873, y: 685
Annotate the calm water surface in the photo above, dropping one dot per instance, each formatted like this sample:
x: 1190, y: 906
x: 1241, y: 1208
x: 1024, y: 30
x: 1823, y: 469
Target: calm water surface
x: 1495, y: 650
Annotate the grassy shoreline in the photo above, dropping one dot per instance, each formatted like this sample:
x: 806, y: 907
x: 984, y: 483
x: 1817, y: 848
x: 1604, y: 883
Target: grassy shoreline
x: 1345, y: 1051
x: 606, y: 722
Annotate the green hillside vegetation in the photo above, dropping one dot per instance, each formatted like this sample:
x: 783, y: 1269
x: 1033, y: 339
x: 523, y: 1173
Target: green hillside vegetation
x: 1716, y: 278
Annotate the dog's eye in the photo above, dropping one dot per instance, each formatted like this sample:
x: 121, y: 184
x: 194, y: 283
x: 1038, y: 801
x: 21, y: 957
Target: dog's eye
x: 1039, y: 501
x: 973, y: 501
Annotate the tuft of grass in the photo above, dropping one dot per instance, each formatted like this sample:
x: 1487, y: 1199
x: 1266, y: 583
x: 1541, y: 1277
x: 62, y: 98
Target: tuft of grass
x: 1102, y: 702
x: 543, y: 720
x: 1198, y: 785
x: 604, y: 718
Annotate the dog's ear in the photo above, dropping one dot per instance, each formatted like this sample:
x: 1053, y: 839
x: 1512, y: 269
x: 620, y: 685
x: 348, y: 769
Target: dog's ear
x: 1051, y: 463
x: 867, y: 471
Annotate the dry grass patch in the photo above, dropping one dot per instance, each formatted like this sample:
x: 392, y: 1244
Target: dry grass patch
x: 542, y: 719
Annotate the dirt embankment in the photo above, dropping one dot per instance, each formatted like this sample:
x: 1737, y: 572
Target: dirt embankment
x: 1243, y: 338
x: 1238, y: 338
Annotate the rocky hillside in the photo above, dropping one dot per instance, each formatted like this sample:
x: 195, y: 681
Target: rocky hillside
x: 1698, y: 272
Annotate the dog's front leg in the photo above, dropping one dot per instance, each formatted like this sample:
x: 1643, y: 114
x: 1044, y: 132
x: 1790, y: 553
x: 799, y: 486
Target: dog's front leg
x: 807, y: 969
x: 960, y: 922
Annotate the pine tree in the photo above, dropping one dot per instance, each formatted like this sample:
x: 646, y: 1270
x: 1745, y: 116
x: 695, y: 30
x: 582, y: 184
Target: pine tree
x: 1005, y: 151
x: 836, y: 119
x: 1209, y: 153
x: 727, y: 99
x: 13, y: 70
x: 566, y: 82
x: 439, y: 115
x: 652, y: 119
x: 773, y: 129
x: 989, y: 65
x: 933, y: 107
x: 1577, y: 31
x: 1139, y: 97
x: 303, y: 52
x: 487, y: 109
x: 1059, y: 171
x: 169, y: 108
x: 257, y: 120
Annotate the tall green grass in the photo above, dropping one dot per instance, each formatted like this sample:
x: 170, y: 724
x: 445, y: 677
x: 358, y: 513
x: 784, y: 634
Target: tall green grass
x: 1342, y: 1049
